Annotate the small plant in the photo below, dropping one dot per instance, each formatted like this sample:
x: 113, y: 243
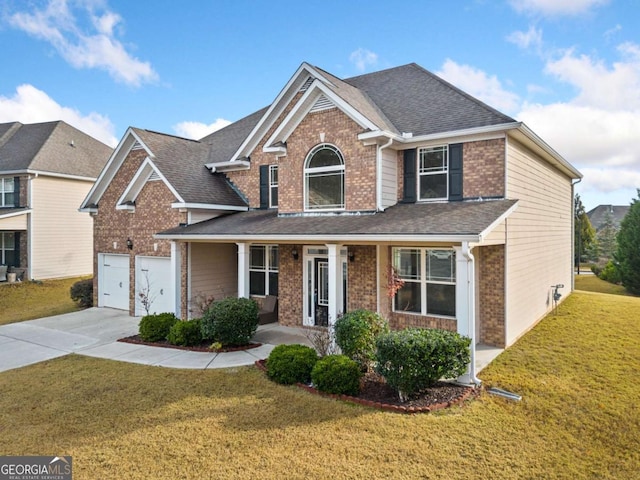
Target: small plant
x: 154, y: 328
x: 232, y: 321
x: 82, y: 293
x: 356, y: 334
x: 288, y: 364
x: 610, y: 273
x: 394, y: 281
x: 215, y: 346
x: 145, y: 295
x: 414, y: 359
x: 200, y: 303
x: 337, y: 374
x: 186, y: 333
x: 321, y: 339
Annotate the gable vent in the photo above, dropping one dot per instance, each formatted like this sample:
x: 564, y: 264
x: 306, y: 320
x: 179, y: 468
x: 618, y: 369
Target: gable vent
x: 137, y: 146
x: 305, y: 86
x: 154, y: 176
x: 323, y: 103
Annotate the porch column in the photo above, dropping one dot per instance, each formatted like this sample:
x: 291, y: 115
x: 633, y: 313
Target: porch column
x: 465, y: 304
x: 243, y: 269
x: 335, y: 281
x: 176, y: 276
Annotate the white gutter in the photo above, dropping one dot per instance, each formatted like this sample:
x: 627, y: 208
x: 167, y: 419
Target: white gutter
x: 37, y: 173
x: 208, y: 206
x: 379, y: 149
x: 437, y: 136
x: 466, y: 252
x: 349, y: 239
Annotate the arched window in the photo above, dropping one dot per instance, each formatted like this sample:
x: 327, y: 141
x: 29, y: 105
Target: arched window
x: 324, y: 179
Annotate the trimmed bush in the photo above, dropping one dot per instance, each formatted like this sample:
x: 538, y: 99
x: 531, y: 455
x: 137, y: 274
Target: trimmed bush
x: 288, y: 364
x: 186, y: 334
x: 82, y: 293
x: 610, y: 273
x: 153, y: 328
x: 337, y: 374
x: 356, y: 334
x: 231, y: 321
x: 414, y: 359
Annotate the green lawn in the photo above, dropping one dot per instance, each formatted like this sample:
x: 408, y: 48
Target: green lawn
x: 591, y: 283
x: 29, y: 300
x: 579, y: 417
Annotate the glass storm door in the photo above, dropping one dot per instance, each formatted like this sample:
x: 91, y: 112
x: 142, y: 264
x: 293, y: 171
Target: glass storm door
x: 321, y: 293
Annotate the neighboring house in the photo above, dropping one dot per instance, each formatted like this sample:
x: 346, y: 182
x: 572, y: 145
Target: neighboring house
x: 46, y: 170
x: 605, y: 214
x: 334, y: 196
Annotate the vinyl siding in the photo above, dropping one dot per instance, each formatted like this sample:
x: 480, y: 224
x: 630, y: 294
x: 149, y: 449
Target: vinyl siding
x: 19, y: 222
x: 539, y: 238
x: 61, y: 237
x: 214, y: 271
x: 389, y: 177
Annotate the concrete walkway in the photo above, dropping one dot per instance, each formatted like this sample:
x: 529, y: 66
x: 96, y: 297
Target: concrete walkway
x: 94, y: 332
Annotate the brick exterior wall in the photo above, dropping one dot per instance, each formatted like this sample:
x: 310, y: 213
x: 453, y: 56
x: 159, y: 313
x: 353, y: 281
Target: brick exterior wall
x: 339, y: 130
x: 290, y: 301
x: 362, y: 278
x: 153, y: 213
x: 484, y: 168
x: 491, y: 293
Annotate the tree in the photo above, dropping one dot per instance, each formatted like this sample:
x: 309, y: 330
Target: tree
x: 628, y: 250
x: 607, y: 237
x: 584, y: 234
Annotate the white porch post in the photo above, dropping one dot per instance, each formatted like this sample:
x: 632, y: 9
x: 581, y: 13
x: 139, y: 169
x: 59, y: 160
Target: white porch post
x: 243, y: 269
x: 176, y: 275
x: 465, y: 305
x: 335, y: 281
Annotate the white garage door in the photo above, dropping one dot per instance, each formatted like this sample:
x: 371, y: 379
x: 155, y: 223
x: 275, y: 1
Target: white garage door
x: 153, y: 281
x: 113, y: 281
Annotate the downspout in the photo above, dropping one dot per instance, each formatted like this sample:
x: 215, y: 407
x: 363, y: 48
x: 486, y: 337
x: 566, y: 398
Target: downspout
x: 471, y: 278
x: 573, y: 235
x: 379, y: 206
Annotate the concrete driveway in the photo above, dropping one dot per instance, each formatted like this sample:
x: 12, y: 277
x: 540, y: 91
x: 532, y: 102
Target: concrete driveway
x: 94, y: 332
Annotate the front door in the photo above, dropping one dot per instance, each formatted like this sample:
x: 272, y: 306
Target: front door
x: 317, y: 286
x: 321, y: 293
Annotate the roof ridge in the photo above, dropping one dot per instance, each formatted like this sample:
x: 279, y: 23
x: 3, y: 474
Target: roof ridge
x: 15, y: 126
x: 49, y: 135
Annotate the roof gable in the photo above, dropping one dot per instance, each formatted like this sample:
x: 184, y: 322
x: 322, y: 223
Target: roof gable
x: 147, y: 172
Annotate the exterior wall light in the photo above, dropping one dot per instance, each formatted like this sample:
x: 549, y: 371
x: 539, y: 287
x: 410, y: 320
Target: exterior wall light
x: 352, y: 256
x: 129, y: 244
x: 295, y: 253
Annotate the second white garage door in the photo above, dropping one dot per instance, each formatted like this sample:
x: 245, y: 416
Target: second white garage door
x: 153, y: 280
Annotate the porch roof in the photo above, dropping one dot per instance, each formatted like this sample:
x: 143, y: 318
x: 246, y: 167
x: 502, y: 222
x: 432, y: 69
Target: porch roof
x: 436, y: 222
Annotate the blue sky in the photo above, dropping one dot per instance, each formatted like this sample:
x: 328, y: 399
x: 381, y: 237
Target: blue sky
x: 570, y: 69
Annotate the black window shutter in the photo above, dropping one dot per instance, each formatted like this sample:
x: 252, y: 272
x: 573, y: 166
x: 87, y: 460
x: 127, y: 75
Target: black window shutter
x: 16, y: 191
x: 16, y: 260
x: 455, y: 172
x: 409, y: 185
x: 264, y: 186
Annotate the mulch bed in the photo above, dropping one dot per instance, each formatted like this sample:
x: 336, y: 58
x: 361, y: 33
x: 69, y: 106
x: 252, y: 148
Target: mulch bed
x: 375, y: 393
x: 203, y: 347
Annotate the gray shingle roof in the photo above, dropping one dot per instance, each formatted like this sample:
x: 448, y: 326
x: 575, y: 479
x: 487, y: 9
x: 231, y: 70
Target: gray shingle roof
x: 54, y: 147
x: 182, y: 162
x: 598, y: 215
x: 433, y: 219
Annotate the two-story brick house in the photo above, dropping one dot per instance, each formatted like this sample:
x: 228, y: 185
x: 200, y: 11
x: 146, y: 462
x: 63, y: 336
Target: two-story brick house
x: 392, y: 191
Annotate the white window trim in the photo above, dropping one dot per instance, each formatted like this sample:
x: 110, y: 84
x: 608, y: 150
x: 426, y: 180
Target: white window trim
x: 423, y: 280
x: 267, y: 269
x: 444, y: 170
x: 334, y: 169
x: 4, y: 191
x: 272, y: 185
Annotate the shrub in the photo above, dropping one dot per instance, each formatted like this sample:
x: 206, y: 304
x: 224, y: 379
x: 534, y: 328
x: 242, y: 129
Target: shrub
x: 186, y: 333
x: 413, y: 359
x: 231, y: 321
x: 153, y: 328
x: 356, y: 334
x: 288, y: 364
x: 610, y: 273
x: 337, y: 374
x: 82, y: 293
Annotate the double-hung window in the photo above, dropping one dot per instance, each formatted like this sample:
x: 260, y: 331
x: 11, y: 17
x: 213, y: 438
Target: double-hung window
x: 263, y: 270
x: 433, y: 169
x: 273, y: 186
x: 7, y: 248
x: 324, y: 179
x: 7, y: 192
x: 429, y: 277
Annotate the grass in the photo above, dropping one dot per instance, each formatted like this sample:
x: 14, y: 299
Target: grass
x: 579, y: 417
x: 591, y: 283
x: 29, y: 300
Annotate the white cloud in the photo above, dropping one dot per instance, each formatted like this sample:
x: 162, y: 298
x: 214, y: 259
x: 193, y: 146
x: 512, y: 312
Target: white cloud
x: 363, y: 58
x: 551, y: 8
x: 92, y: 45
x: 197, y: 130
x: 30, y: 105
x: 530, y: 38
x: 479, y: 84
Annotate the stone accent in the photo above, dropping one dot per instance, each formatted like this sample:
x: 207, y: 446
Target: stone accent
x: 484, y: 168
x: 491, y: 294
x: 153, y: 213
